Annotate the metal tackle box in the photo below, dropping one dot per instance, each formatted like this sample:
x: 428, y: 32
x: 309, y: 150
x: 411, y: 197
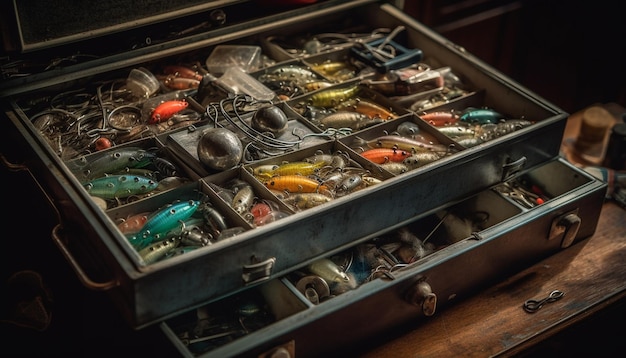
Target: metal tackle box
x: 245, y: 173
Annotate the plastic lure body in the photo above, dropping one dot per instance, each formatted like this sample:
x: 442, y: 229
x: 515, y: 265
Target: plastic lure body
x: 166, y: 110
x: 294, y: 184
x: 117, y: 160
x: 120, y: 186
x: 385, y: 155
x: 333, y: 97
x: 164, y: 220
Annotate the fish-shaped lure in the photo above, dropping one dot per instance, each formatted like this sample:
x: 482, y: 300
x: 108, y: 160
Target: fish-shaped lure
x: 120, y: 186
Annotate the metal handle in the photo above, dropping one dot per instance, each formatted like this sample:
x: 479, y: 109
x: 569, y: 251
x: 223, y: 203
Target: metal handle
x: 11, y: 166
x: 82, y: 276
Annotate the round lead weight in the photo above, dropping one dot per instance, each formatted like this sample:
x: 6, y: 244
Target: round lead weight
x: 220, y: 149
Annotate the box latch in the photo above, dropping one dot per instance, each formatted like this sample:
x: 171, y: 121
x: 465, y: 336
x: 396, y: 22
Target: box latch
x: 566, y: 225
x: 510, y: 168
x: 422, y: 296
x: 259, y: 271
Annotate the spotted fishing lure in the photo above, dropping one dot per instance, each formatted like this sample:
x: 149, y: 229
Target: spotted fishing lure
x: 117, y: 160
x: 162, y: 221
x: 120, y: 186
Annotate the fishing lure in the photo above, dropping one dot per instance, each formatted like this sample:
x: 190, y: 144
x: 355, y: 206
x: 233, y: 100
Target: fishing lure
x: 320, y: 158
x: 420, y: 159
x: 304, y: 201
x: 295, y: 184
x: 293, y: 72
x: 408, y: 129
x: 182, y: 71
x: 492, y: 131
x: 117, y: 160
x: 404, y: 143
x: 328, y: 270
x: 260, y: 209
x: 333, y: 178
x: 243, y: 200
x: 144, y: 172
x: 133, y: 223
x: 469, y: 141
x: 166, y: 110
x: 316, y: 85
x: 157, y: 251
x: 385, y: 155
x: 333, y: 97
x: 331, y: 67
x: 395, y: 167
x: 440, y: 118
x: 370, y: 180
x: 180, y: 83
x: 348, y: 119
x: 368, y: 108
x: 481, y: 116
x: 165, y: 167
x: 120, y: 186
x: 298, y: 167
x: 349, y: 184
x: 214, y: 218
x: 165, y: 219
x: 459, y: 130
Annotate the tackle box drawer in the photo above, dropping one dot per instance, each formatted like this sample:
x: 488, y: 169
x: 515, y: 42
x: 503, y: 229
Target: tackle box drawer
x: 399, y: 275
x: 202, y: 240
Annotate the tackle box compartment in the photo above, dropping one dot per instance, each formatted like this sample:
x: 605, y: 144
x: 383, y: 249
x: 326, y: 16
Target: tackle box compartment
x: 258, y: 255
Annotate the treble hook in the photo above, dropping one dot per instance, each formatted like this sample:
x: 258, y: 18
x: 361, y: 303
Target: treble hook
x: 532, y: 306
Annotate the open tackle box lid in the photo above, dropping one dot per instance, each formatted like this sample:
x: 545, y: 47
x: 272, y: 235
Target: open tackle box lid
x: 69, y: 40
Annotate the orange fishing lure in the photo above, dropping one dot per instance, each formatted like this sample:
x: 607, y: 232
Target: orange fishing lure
x: 385, y: 155
x: 166, y: 110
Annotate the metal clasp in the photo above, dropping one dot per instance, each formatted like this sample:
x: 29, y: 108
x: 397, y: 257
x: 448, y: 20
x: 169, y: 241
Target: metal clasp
x: 259, y: 271
x: 566, y: 225
x: 532, y: 306
x: 510, y: 168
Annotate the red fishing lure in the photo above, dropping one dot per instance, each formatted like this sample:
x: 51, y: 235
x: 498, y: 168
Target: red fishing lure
x: 165, y: 110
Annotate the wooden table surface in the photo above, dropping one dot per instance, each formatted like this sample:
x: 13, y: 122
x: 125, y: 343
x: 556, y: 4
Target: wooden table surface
x: 591, y: 273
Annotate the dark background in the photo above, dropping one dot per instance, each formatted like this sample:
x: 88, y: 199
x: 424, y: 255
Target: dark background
x: 572, y: 53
